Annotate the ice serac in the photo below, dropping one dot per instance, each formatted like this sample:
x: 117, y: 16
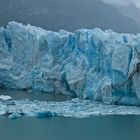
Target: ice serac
x: 90, y: 64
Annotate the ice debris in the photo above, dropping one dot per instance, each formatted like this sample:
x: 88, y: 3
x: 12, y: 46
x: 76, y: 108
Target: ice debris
x: 89, y: 64
x: 5, y: 97
x: 77, y: 108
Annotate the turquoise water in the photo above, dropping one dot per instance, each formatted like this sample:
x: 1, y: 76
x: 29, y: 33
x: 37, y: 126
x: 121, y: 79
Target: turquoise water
x: 60, y: 128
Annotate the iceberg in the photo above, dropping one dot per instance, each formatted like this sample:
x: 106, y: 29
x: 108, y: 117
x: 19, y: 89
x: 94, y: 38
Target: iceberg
x: 88, y: 64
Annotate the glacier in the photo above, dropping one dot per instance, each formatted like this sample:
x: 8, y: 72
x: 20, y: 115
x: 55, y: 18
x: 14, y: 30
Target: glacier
x: 89, y: 64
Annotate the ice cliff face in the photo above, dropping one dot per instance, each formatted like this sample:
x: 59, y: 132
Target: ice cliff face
x: 90, y: 64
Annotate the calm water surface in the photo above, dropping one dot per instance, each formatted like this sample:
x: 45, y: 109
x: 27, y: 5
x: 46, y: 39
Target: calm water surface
x: 22, y: 95
x: 60, y: 128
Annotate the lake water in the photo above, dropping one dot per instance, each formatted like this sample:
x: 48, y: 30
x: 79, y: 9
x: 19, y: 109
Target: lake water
x: 22, y: 95
x: 112, y: 127
x: 60, y: 128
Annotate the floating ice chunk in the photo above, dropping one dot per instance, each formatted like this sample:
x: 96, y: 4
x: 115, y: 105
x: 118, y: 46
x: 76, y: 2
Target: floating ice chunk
x: 14, y: 115
x: 30, y: 114
x: 5, y: 97
x: 40, y: 114
x: 46, y: 114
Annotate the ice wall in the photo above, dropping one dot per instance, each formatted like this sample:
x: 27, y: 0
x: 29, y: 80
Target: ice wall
x: 90, y: 64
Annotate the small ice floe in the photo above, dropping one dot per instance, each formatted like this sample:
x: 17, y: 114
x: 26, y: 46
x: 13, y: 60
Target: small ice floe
x: 43, y: 114
x: 5, y: 97
x: 2, y: 112
x: 14, y: 115
x: 46, y: 114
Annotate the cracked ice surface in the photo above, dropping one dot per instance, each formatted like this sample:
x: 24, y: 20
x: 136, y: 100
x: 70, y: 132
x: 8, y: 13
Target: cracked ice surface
x: 77, y: 108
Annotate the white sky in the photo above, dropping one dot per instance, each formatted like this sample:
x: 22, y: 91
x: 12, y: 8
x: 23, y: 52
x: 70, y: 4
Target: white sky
x: 123, y: 2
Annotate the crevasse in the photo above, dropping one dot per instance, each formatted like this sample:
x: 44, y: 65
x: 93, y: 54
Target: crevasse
x: 89, y: 64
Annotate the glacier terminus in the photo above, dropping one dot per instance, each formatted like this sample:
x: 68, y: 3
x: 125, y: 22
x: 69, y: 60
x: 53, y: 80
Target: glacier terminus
x: 88, y: 64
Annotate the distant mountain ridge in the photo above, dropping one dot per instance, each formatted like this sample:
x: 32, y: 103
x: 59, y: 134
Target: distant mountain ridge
x: 66, y: 14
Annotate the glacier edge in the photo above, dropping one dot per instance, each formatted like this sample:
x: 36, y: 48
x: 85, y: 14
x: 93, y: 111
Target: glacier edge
x: 89, y: 64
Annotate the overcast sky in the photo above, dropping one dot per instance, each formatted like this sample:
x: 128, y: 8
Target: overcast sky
x: 129, y: 8
x: 123, y: 2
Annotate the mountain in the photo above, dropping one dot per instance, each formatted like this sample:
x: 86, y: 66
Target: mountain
x: 66, y: 14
